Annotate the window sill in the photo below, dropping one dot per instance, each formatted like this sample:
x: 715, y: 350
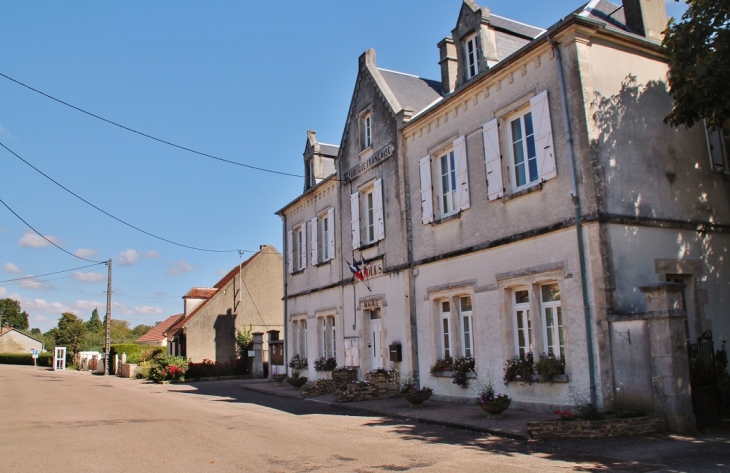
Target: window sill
x: 450, y: 374
x: 448, y: 218
x: 368, y: 245
x: 366, y: 152
x: 298, y: 271
x: 323, y: 263
x: 528, y: 190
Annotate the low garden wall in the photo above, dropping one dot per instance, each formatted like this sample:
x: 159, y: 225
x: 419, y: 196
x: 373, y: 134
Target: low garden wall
x: 339, y: 380
x: 587, y: 429
x: 379, y: 384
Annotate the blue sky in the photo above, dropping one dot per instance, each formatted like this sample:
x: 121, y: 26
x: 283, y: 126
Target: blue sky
x: 240, y: 80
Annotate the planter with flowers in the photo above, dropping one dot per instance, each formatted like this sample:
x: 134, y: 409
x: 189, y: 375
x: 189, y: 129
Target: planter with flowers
x: 279, y: 378
x: 409, y: 389
x: 325, y: 366
x: 519, y: 369
x: 551, y: 369
x: 297, y: 364
x: 463, y: 370
x: 491, y: 402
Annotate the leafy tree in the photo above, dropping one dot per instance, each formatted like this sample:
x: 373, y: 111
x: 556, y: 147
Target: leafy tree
x: 10, y: 314
x: 699, y: 61
x: 36, y: 332
x: 140, y: 330
x: 70, y: 333
x: 94, y: 324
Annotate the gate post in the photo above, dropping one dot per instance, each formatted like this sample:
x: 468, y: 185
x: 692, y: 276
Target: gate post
x: 258, y: 360
x: 668, y: 350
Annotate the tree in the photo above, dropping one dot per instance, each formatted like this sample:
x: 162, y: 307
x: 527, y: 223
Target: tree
x: 10, y: 314
x: 140, y: 330
x: 699, y: 64
x: 70, y: 332
x: 36, y: 332
x: 94, y: 324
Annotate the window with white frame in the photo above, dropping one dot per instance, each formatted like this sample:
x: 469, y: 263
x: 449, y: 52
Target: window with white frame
x: 552, y: 320
x: 326, y: 336
x: 296, y: 240
x: 300, y: 337
x: 323, y: 238
x: 467, y: 328
x: 522, y: 150
x: 521, y: 319
x: 529, y: 147
x: 373, y: 225
x: 445, y: 324
x: 332, y: 336
x: 366, y: 136
x: 452, y: 186
x: 470, y: 56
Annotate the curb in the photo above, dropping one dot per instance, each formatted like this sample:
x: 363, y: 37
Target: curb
x: 345, y: 406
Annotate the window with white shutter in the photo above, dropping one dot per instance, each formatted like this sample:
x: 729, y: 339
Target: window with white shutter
x: 493, y: 160
x: 355, y: 219
x: 426, y: 191
x: 545, y: 150
x: 315, y: 242
x: 462, y: 174
x: 717, y: 146
x: 303, y: 247
x: 289, y: 251
x: 331, y: 233
x: 378, y: 222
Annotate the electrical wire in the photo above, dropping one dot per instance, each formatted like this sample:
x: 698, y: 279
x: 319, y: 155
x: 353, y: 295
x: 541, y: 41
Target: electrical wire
x: 22, y: 283
x: 51, y: 274
x: 112, y: 216
x: 49, y: 241
x: 190, y: 150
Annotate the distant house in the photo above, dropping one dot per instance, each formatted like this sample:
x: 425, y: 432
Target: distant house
x: 250, y: 294
x: 156, y: 337
x: 14, y: 341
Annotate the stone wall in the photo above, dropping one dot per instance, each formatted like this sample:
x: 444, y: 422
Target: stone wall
x: 584, y: 429
x: 377, y: 385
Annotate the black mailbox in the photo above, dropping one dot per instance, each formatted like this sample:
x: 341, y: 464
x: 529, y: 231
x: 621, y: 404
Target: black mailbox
x: 395, y: 352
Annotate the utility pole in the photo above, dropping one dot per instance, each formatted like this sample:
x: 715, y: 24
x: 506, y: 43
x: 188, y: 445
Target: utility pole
x: 108, y: 318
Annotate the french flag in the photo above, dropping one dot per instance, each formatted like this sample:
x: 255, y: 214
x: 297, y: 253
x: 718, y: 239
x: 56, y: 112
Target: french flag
x: 356, y: 271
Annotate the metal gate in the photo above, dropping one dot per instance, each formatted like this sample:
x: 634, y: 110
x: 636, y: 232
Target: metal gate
x: 703, y: 379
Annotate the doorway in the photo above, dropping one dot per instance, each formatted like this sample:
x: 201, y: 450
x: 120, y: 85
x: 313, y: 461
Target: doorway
x: 376, y: 355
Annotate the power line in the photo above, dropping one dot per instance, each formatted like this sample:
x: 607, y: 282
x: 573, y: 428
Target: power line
x: 49, y: 241
x: 55, y: 272
x: 47, y: 280
x: 190, y: 150
x: 110, y: 215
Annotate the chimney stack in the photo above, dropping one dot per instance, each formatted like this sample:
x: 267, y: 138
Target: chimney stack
x: 448, y: 63
x: 647, y: 18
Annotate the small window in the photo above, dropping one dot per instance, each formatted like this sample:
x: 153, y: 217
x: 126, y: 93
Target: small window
x: 445, y: 308
x: 366, y: 137
x: 467, y: 329
x: 522, y: 323
x: 369, y: 217
x: 299, y: 248
x: 324, y: 237
x: 470, y: 53
x: 447, y: 171
x: 524, y: 155
x: 552, y: 320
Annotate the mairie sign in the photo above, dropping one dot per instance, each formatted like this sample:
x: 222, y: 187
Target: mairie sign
x: 376, y: 158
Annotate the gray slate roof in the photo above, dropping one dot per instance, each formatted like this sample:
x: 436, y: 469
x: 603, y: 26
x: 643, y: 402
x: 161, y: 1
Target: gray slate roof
x: 329, y: 150
x: 412, y: 91
x: 601, y: 12
x: 515, y: 27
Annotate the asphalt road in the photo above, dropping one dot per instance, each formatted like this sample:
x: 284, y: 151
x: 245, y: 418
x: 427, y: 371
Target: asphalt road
x: 71, y: 421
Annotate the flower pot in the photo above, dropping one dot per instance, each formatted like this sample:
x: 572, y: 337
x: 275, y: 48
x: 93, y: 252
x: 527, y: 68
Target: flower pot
x: 494, y: 411
x: 416, y: 399
x: 297, y: 382
x: 279, y: 378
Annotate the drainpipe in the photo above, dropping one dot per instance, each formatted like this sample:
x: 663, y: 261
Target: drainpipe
x: 286, y: 271
x: 578, y: 225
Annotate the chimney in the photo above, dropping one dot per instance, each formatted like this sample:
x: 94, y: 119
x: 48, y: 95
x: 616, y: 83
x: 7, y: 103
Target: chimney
x: 647, y: 18
x: 261, y: 247
x: 448, y: 63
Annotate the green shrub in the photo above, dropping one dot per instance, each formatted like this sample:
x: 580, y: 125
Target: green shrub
x: 166, y: 368
x: 44, y: 359
x: 131, y: 349
x: 549, y: 366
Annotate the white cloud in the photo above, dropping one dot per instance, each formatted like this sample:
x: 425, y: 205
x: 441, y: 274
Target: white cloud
x: 160, y: 293
x: 89, y: 278
x: 40, y: 318
x: 32, y: 240
x: 148, y: 310
x: 87, y: 305
x: 12, y: 269
x: 179, y: 267
x: 127, y: 257
x: 3, y: 291
x: 151, y: 254
x: 85, y: 252
x: 4, y: 132
x: 35, y: 284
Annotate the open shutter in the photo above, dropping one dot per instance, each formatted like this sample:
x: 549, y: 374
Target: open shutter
x: 426, y: 191
x: 289, y: 252
x: 355, y: 215
x: 462, y: 175
x: 303, y: 249
x: 315, y: 241
x: 331, y: 232
x: 716, y: 148
x: 543, y: 136
x: 493, y: 160
x: 378, y: 210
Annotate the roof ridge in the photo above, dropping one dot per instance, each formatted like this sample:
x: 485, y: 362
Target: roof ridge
x: 518, y: 22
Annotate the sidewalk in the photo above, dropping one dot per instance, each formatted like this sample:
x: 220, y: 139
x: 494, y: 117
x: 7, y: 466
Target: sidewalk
x: 460, y: 416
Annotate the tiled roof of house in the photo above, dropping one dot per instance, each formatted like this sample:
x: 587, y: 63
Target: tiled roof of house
x: 200, y: 293
x: 6, y: 330
x: 158, y: 332
x: 411, y: 91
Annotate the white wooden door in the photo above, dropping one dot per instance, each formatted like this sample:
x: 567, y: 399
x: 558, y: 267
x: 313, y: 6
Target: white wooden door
x: 376, y: 355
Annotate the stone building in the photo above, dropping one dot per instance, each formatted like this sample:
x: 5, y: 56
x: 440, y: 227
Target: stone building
x: 530, y: 132
x: 249, y: 295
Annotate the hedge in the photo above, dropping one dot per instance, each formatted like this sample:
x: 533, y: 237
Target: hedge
x: 119, y: 348
x: 44, y: 359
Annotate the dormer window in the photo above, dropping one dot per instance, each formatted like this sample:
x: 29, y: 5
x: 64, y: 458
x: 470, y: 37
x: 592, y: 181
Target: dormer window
x: 366, y: 137
x: 470, y: 55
